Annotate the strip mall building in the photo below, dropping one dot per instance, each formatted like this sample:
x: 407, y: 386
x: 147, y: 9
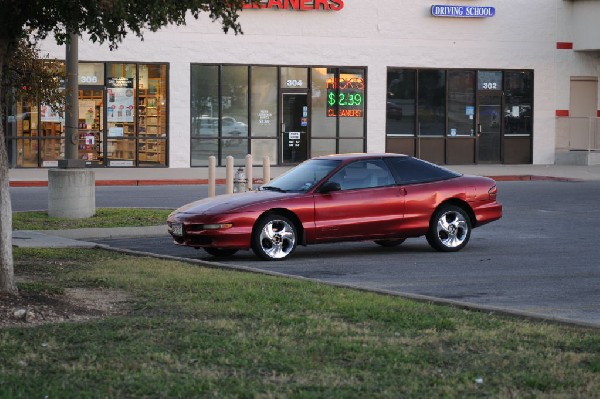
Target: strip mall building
x: 461, y: 82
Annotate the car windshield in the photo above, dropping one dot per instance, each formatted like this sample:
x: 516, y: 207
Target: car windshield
x: 304, y: 176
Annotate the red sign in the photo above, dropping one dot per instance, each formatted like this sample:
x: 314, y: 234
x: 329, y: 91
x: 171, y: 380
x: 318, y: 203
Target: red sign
x: 304, y: 5
x: 345, y: 97
x: 346, y: 113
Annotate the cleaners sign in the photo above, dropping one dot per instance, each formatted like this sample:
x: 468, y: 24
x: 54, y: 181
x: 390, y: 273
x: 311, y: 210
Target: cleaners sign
x: 304, y: 5
x: 462, y: 11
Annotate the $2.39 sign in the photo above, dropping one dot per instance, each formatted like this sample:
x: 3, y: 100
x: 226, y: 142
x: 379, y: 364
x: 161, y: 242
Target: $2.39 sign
x: 344, y: 99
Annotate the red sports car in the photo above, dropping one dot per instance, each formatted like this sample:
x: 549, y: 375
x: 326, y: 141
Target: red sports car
x: 381, y: 197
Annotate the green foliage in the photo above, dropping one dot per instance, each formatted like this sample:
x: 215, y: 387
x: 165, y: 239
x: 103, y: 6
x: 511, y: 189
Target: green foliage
x: 29, y: 76
x: 198, y: 332
x: 108, y: 20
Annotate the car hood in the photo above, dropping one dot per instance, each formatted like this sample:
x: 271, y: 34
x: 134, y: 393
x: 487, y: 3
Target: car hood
x: 231, y: 203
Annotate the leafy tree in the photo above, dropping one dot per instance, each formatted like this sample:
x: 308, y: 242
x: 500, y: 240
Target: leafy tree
x: 103, y: 21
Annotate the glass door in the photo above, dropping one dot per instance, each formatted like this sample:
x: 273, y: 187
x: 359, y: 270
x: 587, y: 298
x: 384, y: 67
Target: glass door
x: 489, y: 112
x: 294, y: 129
x: 90, y: 126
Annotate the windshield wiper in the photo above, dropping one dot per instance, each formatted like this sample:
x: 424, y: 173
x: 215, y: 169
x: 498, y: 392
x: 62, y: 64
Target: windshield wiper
x: 273, y: 188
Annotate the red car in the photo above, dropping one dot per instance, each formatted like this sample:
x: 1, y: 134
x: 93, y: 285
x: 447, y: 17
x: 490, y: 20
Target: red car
x: 381, y: 197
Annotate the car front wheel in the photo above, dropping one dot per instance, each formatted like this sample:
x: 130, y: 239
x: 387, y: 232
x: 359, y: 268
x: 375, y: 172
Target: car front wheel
x: 274, y: 237
x: 450, y: 229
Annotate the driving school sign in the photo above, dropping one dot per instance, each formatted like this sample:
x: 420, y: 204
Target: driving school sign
x: 304, y: 5
x: 462, y: 11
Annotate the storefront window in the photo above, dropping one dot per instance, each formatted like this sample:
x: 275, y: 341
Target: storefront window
x: 456, y: 106
x: 261, y: 148
x: 349, y: 146
x: 91, y: 74
x: 401, y: 100
x: 205, y: 101
x: 122, y: 120
x: 264, y: 101
x: 432, y: 102
x: 152, y: 114
x: 351, y: 94
x: 518, y: 118
x: 337, y: 109
x: 202, y: 150
x: 91, y: 116
x: 24, y: 127
x: 322, y: 124
x: 327, y: 115
x: 234, y: 112
x: 294, y: 78
x: 263, y: 111
x: 323, y: 147
x: 461, y: 103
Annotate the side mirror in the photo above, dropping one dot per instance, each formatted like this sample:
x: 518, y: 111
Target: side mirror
x: 329, y: 187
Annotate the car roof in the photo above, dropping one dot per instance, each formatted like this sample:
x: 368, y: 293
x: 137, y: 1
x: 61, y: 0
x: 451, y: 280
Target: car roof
x: 355, y: 156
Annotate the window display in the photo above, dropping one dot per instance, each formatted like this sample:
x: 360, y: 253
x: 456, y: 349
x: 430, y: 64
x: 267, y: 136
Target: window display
x: 122, y: 120
x: 90, y: 126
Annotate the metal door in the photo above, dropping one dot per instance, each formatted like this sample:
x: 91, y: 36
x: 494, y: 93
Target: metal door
x: 294, y: 129
x: 489, y: 116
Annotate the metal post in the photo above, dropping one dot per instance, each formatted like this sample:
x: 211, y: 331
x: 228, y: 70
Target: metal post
x: 71, y: 187
x: 72, y: 107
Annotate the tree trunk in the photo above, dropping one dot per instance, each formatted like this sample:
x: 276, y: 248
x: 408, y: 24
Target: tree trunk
x: 7, y: 277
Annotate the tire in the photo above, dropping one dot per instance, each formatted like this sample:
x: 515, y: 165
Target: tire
x: 390, y: 243
x: 274, y: 237
x: 220, y: 252
x: 449, y: 229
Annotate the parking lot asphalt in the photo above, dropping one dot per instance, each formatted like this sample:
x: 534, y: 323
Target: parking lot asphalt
x: 91, y: 238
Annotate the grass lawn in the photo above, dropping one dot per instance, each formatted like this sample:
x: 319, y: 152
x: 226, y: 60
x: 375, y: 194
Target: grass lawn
x: 200, y: 332
x: 105, y: 217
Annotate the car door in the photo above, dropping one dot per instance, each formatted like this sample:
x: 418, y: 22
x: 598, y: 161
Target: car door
x: 369, y: 205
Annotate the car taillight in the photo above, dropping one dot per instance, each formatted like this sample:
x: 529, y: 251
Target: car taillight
x: 492, y: 192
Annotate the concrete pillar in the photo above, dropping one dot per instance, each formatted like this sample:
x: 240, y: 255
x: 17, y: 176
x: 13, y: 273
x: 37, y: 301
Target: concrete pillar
x: 266, y: 169
x: 71, y: 193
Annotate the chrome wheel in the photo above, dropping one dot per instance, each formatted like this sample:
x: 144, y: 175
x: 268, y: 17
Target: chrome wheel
x: 274, y: 238
x: 450, y: 229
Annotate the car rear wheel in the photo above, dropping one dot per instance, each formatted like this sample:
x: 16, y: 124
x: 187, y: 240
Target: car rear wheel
x: 220, y: 252
x: 274, y: 237
x: 390, y: 243
x: 449, y: 229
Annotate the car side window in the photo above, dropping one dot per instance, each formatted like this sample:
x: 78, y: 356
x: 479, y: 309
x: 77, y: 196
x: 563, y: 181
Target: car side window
x: 408, y: 170
x: 364, y: 174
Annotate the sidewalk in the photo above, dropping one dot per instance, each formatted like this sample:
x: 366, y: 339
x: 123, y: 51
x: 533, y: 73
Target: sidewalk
x: 178, y: 176
x: 80, y: 238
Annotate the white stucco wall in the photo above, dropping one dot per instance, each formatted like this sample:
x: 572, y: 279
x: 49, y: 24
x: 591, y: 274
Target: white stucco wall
x: 374, y: 34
